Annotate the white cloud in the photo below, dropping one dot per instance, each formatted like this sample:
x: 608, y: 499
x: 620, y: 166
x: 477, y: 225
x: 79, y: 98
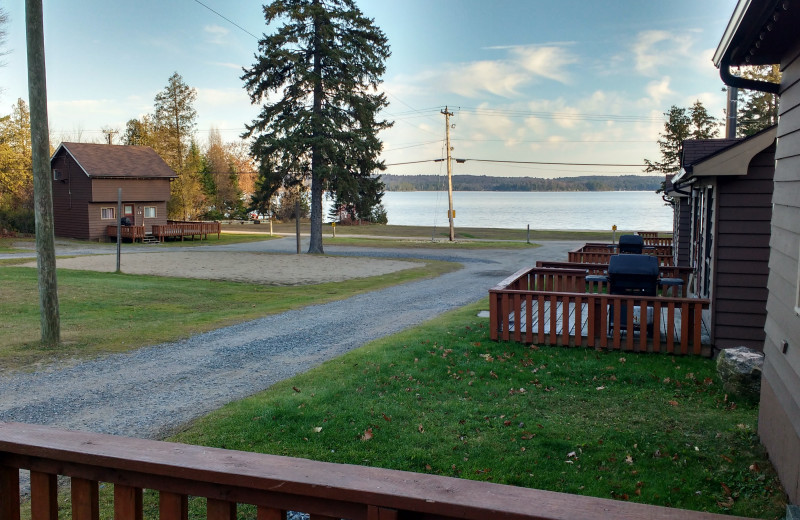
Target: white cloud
x: 520, y: 66
x: 655, y: 50
x: 216, y: 34
x: 658, y: 90
x: 220, y: 97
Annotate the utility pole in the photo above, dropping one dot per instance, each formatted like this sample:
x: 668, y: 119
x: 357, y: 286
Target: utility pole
x: 42, y: 185
x: 109, y: 134
x: 450, y: 213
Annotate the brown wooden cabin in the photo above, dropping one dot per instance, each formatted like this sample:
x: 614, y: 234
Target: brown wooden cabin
x: 723, y: 208
x: 765, y: 33
x: 86, y: 178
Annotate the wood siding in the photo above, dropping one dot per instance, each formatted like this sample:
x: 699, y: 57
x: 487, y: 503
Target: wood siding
x: 779, y: 419
x: 739, y: 303
x: 684, y: 231
x: 70, y: 197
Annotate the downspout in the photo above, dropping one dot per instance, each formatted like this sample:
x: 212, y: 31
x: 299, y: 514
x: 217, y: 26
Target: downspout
x: 749, y: 84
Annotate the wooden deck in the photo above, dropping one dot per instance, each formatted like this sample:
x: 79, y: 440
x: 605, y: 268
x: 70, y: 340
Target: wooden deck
x: 558, y: 307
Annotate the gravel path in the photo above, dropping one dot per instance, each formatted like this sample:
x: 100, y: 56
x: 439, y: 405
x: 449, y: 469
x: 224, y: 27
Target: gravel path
x: 154, y: 390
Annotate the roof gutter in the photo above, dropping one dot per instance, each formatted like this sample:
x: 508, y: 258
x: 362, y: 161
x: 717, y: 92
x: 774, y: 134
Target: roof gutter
x: 749, y: 84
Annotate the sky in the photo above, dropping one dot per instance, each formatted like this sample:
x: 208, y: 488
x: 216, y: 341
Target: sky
x: 526, y: 80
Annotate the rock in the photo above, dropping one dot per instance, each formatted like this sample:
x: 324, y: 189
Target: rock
x: 740, y: 371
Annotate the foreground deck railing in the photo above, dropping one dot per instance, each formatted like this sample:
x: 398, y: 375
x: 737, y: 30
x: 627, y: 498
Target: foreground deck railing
x: 133, y: 233
x: 274, y: 484
x: 522, y: 312
x: 182, y: 229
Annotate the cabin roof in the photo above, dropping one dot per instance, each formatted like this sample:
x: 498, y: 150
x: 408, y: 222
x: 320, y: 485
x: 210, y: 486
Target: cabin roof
x: 117, y: 161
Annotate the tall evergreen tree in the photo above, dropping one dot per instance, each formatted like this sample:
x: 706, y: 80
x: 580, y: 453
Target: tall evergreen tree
x: 692, y: 123
x: 174, y: 120
x: 757, y: 110
x: 326, y: 60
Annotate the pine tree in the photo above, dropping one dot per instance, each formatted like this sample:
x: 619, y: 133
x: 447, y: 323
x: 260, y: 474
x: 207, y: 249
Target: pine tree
x: 326, y: 61
x: 757, y: 110
x: 681, y: 124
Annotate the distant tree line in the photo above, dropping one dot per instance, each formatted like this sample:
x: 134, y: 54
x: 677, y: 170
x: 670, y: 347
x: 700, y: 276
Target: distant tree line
x: 487, y: 183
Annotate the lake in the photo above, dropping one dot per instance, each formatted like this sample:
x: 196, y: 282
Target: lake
x: 581, y: 210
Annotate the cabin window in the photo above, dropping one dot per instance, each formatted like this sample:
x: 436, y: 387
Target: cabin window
x: 149, y: 212
x: 107, y: 213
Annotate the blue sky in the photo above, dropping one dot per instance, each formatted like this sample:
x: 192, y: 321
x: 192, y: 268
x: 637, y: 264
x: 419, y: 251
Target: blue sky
x: 527, y: 80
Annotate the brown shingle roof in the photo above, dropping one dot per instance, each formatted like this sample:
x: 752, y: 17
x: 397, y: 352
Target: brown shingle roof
x: 696, y: 149
x: 105, y: 160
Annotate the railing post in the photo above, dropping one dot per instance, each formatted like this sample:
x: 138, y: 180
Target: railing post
x: 220, y: 510
x: 172, y: 506
x: 9, y: 493
x: 381, y: 513
x: 44, y: 505
x: 85, y: 499
x: 127, y: 503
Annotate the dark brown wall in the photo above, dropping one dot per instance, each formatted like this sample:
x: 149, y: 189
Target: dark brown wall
x: 779, y: 414
x: 70, y: 196
x: 744, y: 212
x: 105, y: 190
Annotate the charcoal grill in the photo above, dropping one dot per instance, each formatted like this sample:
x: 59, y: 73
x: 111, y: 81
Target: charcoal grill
x: 633, y: 244
x: 632, y: 274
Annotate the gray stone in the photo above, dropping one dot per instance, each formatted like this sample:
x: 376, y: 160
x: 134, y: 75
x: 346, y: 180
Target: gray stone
x: 740, y: 371
x: 792, y: 512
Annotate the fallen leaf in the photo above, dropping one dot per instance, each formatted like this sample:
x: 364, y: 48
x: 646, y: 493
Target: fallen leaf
x: 673, y: 403
x: 726, y: 504
x: 629, y: 459
x: 296, y: 389
x: 726, y: 458
x: 367, y: 435
x: 725, y: 489
x: 420, y: 429
x: 428, y: 467
x: 571, y: 454
x: 600, y: 388
x: 754, y: 467
x: 318, y: 429
x: 507, y: 423
x: 386, y: 417
x: 622, y: 360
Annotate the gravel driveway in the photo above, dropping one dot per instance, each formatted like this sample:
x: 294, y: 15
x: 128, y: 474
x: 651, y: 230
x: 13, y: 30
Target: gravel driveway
x: 154, y: 390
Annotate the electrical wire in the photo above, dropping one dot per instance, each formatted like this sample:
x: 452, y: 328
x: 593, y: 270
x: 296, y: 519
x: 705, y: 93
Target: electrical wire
x: 227, y: 19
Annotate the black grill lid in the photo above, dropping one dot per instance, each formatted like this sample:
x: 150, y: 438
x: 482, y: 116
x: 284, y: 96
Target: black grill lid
x: 641, y: 265
x: 631, y: 240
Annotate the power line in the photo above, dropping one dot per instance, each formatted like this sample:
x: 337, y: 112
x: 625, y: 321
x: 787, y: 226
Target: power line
x: 227, y: 19
x: 610, y: 165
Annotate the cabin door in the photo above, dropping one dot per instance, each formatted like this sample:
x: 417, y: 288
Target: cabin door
x: 127, y: 212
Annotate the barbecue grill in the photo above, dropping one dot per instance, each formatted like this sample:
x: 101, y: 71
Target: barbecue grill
x: 631, y: 244
x: 632, y: 274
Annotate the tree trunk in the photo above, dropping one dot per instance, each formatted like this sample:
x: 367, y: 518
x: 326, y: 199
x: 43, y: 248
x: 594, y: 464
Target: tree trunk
x: 315, y: 240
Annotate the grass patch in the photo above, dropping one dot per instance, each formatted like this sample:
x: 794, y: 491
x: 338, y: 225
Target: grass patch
x: 442, y: 398
x: 424, y: 244
x: 426, y: 232
x: 104, y: 313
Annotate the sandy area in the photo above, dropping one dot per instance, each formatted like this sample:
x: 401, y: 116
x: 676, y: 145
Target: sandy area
x: 261, y: 268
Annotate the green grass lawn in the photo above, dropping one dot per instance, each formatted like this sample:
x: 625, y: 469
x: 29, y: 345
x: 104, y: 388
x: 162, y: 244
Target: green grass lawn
x: 103, y: 313
x: 442, y: 398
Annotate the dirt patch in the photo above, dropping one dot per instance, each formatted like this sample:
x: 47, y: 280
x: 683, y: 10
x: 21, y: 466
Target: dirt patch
x: 261, y: 268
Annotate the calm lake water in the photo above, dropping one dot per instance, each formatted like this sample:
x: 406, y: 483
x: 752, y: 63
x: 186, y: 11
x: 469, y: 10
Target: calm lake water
x: 630, y: 210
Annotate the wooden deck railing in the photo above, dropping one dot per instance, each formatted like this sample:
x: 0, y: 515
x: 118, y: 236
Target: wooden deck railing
x: 664, y: 271
x: 593, y: 253
x: 174, y: 228
x: 581, y: 318
x: 274, y: 484
x: 133, y: 233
